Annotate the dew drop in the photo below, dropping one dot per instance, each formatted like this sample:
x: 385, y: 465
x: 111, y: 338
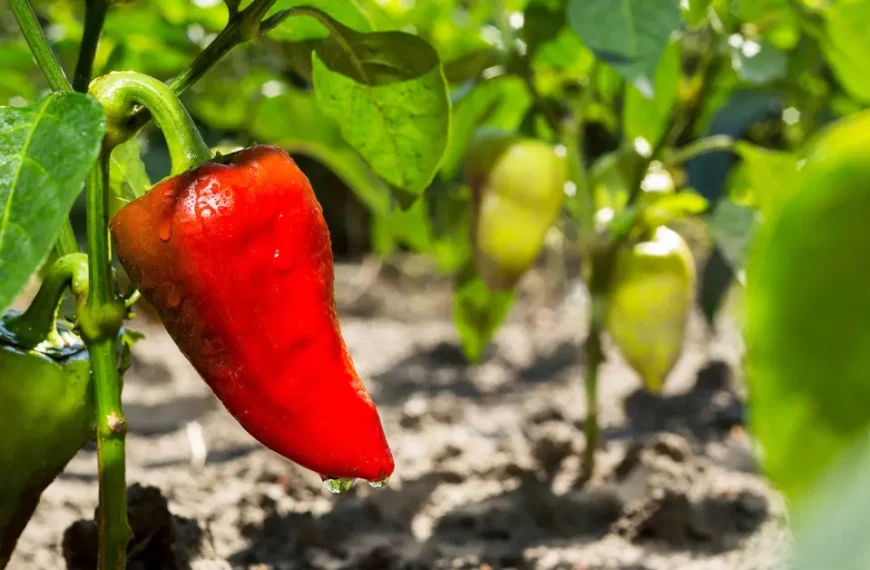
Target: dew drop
x: 165, y: 230
x: 379, y: 484
x: 337, y: 486
x: 173, y: 298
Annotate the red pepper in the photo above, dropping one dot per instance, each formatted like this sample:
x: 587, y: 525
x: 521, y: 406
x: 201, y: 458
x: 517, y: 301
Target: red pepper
x: 236, y: 259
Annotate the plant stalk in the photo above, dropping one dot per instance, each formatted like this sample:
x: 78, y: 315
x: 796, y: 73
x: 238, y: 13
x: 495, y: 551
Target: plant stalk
x: 99, y: 322
x: 38, y: 45
x: 57, y: 80
x: 95, y: 16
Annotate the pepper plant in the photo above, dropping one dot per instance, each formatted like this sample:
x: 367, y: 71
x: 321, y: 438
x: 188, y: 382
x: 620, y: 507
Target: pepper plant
x: 472, y: 131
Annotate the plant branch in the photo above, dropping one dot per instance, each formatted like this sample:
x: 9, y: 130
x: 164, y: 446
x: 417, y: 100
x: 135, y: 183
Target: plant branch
x: 38, y: 322
x: 95, y: 16
x: 709, y: 144
x: 241, y: 27
x: 38, y: 44
x: 99, y: 322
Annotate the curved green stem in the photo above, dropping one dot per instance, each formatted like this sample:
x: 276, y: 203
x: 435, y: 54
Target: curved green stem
x: 66, y: 241
x: 37, y: 323
x: 39, y: 45
x: 120, y: 92
x: 701, y: 146
x: 95, y: 16
x: 99, y: 321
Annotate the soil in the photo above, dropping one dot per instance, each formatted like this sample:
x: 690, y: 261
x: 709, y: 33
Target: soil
x: 487, y: 474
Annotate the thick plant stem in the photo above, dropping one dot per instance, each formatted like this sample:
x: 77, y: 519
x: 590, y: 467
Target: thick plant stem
x: 38, y: 45
x: 114, y: 530
x: 37, y: 323
x: 95, y: 16
x: 99, y: 322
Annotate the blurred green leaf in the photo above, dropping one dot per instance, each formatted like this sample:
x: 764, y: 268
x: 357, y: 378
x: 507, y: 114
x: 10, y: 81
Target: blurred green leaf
x: 716, y: 280
x: 732, y: 228
x: 847, y: 43
x: 630, y: 35
x: 649, y: 118
x: 409, y: 227
x: 695, y: 12
x: 777, y: 20
x: 128, y: 179
x: 469, y: 66
x: 669, y: 208
x: 759, y: 62
x: 293, y: 121
x: 499, y: 102
x: 387, y: 92
x: 478, y: 312
x: 450, y: 211
x: 829, y: 534
x: 224, y: 101
x: 46, y: 151
x: 807, y: 299
x: 768, y: 177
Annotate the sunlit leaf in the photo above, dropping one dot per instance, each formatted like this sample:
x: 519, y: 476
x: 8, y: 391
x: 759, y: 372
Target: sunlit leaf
x: 46, y: 151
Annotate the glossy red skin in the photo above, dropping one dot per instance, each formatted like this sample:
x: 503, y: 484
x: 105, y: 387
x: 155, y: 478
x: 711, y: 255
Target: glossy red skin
x: 237, y: 260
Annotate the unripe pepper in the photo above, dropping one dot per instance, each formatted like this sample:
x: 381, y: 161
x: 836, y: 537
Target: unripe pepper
x: 235, y: 255
x: 518, y: 188
x: 649, y: 301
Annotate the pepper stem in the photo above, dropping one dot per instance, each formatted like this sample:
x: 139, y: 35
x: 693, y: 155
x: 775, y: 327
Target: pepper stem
x: 122, y: 92
x: 37, y: 323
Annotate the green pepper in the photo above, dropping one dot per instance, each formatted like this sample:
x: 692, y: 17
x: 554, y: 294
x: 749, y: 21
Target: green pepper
x: 48, y: 416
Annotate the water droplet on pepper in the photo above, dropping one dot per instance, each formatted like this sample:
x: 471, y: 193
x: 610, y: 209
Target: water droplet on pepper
x: 337, y: 486
x: 165, y: 230
x: 380, y: 483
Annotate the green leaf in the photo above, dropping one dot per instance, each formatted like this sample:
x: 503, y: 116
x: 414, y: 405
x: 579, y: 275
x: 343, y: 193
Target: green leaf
x: 759, y: 62
x: 500, y: 103
x: 470, y: 65
x: 46, y: 151
x: 478, y: 312
x: 630, y: 35
x: 293, y: 121
x: 732, y: 228
x: 695, y: 12
x: 807, y: 300
x: 767, y: 177
x: 387, y: 92
x: 409, y: 227
x: 649, y: 118
x: 450, y: 212
x: 672, y: 207
x: 128, y: 179
x: 829, y: 534
x: 846, y: 45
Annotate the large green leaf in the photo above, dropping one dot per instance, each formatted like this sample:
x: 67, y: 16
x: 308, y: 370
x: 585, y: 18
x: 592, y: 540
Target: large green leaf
x: 847, y: 43
x: 293, y: 121
x: 649, y: 118
x: 807, y: 299
x: 387, y: 92
x: 732, y: 228
x: 630, y: 35
x: 478, y: 312
x: 46, y: 151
